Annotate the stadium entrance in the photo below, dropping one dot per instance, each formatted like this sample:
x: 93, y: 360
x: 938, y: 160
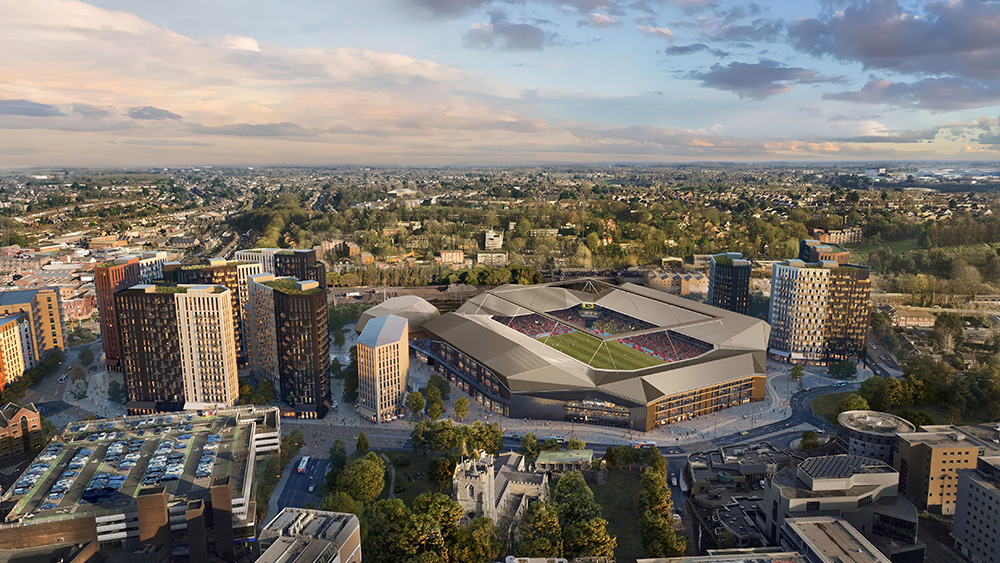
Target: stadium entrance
x: 597, y: 412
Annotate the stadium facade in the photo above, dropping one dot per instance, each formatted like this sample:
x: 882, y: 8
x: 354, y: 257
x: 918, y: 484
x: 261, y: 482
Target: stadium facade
x: 592, y: 352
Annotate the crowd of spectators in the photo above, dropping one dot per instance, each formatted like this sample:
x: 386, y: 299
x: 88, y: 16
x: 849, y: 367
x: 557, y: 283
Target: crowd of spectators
x: 602, y: 321
x: 534, y: 325
x: 669, y: 347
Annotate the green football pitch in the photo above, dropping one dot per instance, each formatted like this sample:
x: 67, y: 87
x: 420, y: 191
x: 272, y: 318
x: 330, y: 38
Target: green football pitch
x: 611, y: 355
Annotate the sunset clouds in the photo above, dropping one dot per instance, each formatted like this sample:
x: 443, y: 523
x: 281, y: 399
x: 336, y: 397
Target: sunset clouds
x: 493, y: 81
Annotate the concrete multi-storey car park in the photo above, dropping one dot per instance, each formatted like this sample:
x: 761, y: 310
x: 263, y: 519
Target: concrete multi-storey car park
x: 190, y: 516
x: 594, y: 352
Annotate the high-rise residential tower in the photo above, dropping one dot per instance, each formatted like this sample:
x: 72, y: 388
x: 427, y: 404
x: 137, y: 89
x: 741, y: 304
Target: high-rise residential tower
x: 383, y: 364
x: 11, y: 350
x: 265, y: 256
x: 111, y: 277
x: 729, y: 282
x: 288, y: 339
x: 287, y: 263
x: 231, y: 274
x: 178, y: 346
x: 819, y: 311
x: 300, y: 264
x: 42, y: 308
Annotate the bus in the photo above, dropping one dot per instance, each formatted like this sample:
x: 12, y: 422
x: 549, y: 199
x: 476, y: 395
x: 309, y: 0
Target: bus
x: 303, y: 465
x: 643, y: 445
x: 559, y: 439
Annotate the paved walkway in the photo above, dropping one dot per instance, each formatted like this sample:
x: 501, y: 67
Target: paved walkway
x: 392, y: 475
x: 345, y: 423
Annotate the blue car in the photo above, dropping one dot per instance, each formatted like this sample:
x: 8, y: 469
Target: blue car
x: 184, y: 437
x: 48, y: 506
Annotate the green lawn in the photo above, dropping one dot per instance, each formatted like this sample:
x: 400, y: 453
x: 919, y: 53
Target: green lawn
x: 825, y: 406
x: 617, y: 500
x: 610, y: 355
x: 418, y: 464
x: 861, y: 252
x: 941, y: 415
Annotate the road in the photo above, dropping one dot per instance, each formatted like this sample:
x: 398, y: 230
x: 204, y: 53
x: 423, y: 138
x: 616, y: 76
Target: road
x: 296, y: 492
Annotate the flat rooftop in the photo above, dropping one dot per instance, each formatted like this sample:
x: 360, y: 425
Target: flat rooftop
x: 874, y: 422
x: 100, y: 466
x: 835, y: 541
x: 565, y: 456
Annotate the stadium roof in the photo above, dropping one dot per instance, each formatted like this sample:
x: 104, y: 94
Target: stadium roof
x: 528, y: 366
x: 415, y: 310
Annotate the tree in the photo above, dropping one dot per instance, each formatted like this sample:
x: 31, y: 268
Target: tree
x: 86, y: 356
x: 442, y: 470
x: 654, y: 460
x: 432, y: 395
x: 574, y: 500
x: 844, y: 369
x: 948, y: 332
x: 655, y: 510
x: 338, y: 460
x: 339, y: 501
x: 115, y: 392
x: 551, y: 445
x: 588, y: 538
x: 338, y: 338
x: 810, y: 440
x: 541, y: 535
x: 852, y: 402
x: 362, y: 446
x: 415, y: 403
x: 797, y: 372
x: 575, y: 444
x: 462, y: 408
x: 440, y: 383
x: 917, y: 418
x: 479, y: 541
x: 363, y: 478
x: 435, y: 410
x: 529, y: 446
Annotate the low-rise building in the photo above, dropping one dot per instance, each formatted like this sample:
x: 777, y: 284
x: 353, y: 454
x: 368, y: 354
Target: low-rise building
x: 20, y: 430
x: 829, y: 540
x: 678, y: 283
x: 870, y: 433
x: 301, y: 535
x: 561, y: 461
x: 744, y: 466
x: 928, y: 463
x: 863, y: 491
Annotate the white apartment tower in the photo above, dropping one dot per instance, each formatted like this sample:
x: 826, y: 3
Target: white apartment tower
x: 208, y: 345
x: 383, y: 364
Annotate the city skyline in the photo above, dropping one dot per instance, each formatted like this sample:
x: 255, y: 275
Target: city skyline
x: 437, y: 82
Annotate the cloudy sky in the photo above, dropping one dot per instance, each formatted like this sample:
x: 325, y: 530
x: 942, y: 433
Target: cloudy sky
x: 429, y: 82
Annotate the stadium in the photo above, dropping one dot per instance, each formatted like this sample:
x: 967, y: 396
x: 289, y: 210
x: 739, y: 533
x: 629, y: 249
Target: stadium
x: 593, y: 352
